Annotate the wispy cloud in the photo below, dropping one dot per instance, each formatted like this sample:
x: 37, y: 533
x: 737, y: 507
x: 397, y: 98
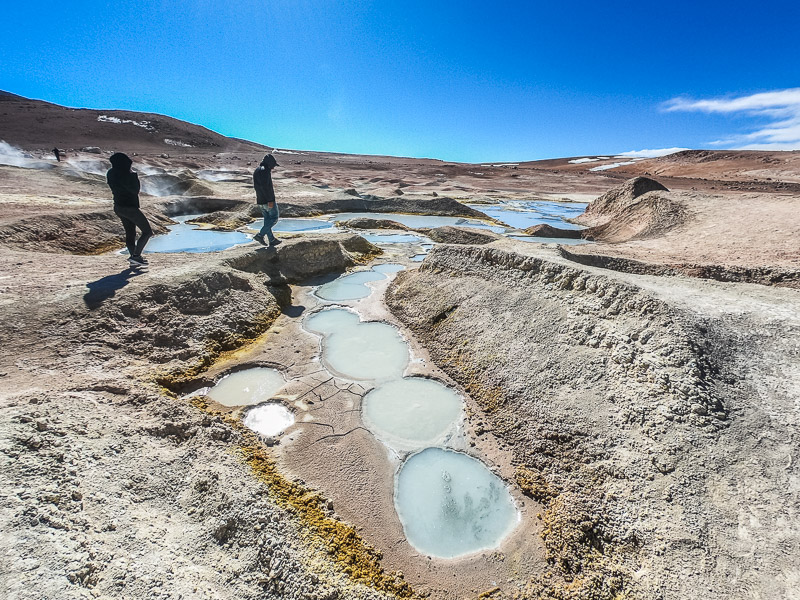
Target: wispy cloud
x: 781, y: 109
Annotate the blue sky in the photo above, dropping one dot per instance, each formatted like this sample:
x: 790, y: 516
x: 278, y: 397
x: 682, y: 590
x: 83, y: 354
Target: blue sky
x: 466, y: 81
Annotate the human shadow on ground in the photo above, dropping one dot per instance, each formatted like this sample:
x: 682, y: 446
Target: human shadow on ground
x: 105, y: 287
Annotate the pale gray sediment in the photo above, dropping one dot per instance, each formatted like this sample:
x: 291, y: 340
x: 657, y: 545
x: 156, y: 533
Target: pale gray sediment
x: 631, y: 406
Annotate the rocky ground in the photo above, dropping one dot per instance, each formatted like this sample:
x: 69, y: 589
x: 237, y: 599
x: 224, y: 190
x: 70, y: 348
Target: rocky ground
x: 639, y: 394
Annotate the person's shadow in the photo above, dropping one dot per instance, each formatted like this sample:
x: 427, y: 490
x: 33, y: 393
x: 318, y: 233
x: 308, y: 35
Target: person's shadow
x: 105, y: 287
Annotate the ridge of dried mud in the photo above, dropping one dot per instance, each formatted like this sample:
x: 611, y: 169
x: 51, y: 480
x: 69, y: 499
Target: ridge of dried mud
x: 626, y: 408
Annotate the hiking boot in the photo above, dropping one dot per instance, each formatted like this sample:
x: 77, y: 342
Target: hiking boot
x: 137, y: 261
x: 274, y: 242
x: 259, y: 239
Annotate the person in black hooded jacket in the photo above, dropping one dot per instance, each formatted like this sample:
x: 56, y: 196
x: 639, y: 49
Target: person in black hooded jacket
x: 265, y: 197
x: 124, y: 184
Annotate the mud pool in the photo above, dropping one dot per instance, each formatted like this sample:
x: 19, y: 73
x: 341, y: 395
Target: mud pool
x: 247, y: 387
x: 185, y: 237
x: 449, y: 504
x: 352, y: 286
x: 359, y: 350
x: 412, y: 412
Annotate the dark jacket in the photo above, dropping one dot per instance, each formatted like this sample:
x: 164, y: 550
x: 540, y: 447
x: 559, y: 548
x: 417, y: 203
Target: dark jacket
x: 262, y: 181
x: 123, y: 182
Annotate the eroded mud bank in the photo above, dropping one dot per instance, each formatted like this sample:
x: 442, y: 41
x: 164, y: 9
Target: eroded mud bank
x: 629, y: 404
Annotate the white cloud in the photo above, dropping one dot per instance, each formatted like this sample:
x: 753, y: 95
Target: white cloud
x: 650, y: 153
x: 780, y: 107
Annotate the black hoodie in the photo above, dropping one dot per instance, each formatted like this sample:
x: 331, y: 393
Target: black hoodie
x: 123, y: 182
x: 262, y: 180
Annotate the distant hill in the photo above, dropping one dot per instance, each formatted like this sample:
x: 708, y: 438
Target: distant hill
x: 35, y: 124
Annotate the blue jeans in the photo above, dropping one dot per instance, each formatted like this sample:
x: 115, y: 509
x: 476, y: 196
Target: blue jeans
x: 270, y: 218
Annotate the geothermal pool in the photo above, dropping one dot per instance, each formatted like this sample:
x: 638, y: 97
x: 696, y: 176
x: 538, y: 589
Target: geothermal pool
x: 358, y: 350
x: 299, y: 225
x: 349, y: 287
x: 248, y: 387
x: 185, y: 237
x: 352, y: 286
x: 411, y: 412
x: 450, y: 504
x: 394, y: 238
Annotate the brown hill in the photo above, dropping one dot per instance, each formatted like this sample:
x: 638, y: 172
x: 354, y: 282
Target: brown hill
x: 35, y: 124
x: 779, y: 169
x: 617, y: 200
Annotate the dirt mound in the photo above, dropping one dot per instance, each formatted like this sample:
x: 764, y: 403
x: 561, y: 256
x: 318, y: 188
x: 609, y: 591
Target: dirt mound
x: 650, y: 215
x: 549, y: 231
x: 299, y: 206
x: 607, y: 206
x: 303, y: 258
x: 461, y: 235
x: 365, y: 223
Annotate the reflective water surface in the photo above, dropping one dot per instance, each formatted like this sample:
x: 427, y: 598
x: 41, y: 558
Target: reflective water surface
x: 450, y: 504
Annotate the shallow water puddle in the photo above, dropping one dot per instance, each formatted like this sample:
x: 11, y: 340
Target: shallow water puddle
x: 185, y: 237
x: 352, y: 286
x: 248, y: 387
x: 269, y: 419
x: 349, y: 287
x: 411, y: 411
x: 522, y: 215
x: 450, y: 504
x: 358, y: 350
x: 298, y: 225
x: 419, y: 221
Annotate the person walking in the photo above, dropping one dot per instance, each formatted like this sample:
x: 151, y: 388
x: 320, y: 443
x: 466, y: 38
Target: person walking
x: 57, y: 153
x: 265, y: 197
x: 124, y: 184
